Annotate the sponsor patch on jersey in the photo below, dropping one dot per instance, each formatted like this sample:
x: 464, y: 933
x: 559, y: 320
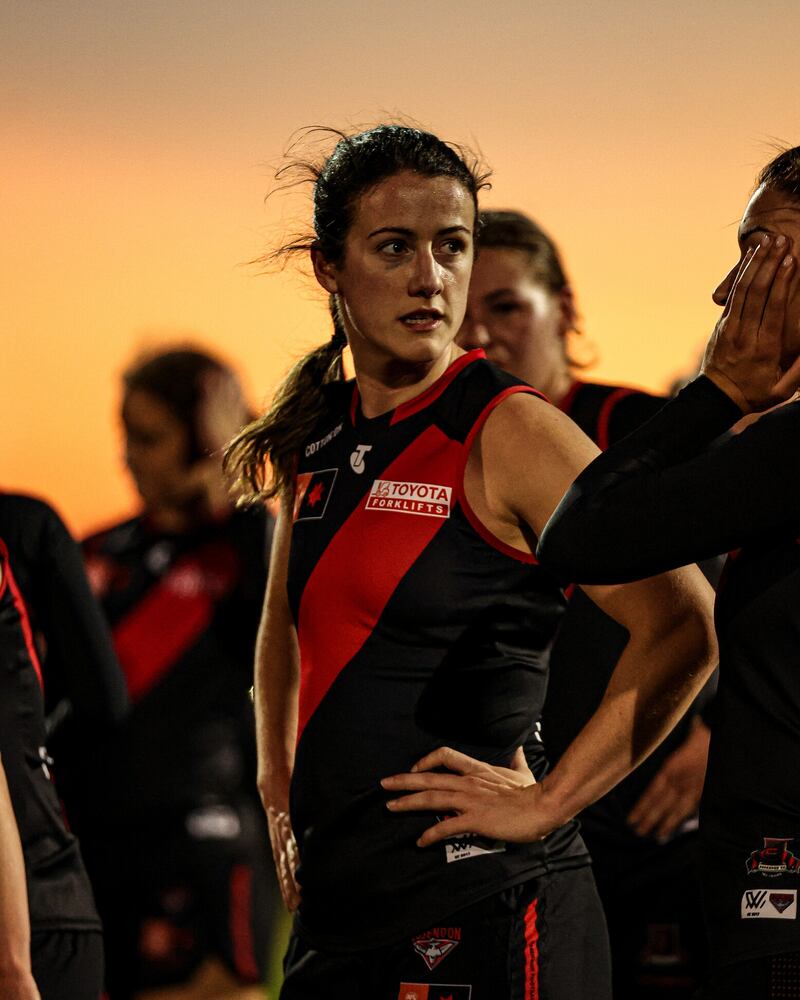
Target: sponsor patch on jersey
x: 774, y: 859
x: 427, y: 499
x: 357, y: 458
x: 312, y: 493
x: 778, y: 905
x: 471, y: 846
x: 435, y: 945
x: 434, y: 991
x: 314, y: 447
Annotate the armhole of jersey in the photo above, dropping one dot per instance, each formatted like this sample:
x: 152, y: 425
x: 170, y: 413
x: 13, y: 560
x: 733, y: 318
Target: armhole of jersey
x: 604, y: 417
x: 488, y: 536
x: 4, y: 560
x: 9, y: 583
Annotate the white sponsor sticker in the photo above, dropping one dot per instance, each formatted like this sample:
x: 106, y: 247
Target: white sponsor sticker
x: 462, y: 848
x: 769, y: 904
x: 426, y: 499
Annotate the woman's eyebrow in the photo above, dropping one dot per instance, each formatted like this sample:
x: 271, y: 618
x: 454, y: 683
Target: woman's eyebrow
x: 403, y: 231
x: 391, y: 229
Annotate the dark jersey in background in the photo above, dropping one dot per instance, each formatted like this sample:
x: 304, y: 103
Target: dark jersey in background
x: 175, y: 835
x: 183, y: 611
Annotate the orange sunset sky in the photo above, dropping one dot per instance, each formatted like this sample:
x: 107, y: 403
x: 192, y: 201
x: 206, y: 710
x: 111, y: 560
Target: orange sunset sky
x: 137, y: 142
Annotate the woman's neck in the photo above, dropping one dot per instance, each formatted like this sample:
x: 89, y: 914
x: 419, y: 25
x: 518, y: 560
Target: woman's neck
x: 386, y: 387
x: 556, y: 386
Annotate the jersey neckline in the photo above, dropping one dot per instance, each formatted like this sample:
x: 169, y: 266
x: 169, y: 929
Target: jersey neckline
x: 565, y: 405
x: 418, y: 403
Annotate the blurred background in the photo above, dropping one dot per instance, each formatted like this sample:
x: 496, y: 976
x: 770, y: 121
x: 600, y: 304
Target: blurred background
x: 138, y: 140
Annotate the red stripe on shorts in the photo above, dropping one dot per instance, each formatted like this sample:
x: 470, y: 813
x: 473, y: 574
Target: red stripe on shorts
x: 241, y: 927
x: 531, y: 953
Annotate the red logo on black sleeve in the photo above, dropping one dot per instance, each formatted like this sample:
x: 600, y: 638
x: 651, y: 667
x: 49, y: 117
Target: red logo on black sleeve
x: 312, y: 492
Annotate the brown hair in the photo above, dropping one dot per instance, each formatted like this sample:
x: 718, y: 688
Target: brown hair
x: 175, y: 377
x: 515, y: 231
x: 357, y: 164
x: 783, y: 173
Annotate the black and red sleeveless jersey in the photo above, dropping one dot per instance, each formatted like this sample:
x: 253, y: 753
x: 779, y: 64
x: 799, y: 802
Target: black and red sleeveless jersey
x: 39, y: 560
x: 606, y: 413
x: 417, y: 629
x: 183, y: 611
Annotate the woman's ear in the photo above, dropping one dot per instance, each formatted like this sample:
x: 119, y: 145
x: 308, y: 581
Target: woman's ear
x: 569, y: 312
x: 324, y: 271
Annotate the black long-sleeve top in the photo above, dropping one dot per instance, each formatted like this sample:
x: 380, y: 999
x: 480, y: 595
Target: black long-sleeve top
x: 44, y: 595
x: 660, y: 499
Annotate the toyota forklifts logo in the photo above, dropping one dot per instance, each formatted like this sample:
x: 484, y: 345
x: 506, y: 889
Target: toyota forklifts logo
x: 426, y: 499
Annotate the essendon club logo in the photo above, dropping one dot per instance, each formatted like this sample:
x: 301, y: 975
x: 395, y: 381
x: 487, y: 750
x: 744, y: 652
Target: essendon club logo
x: 782, y: 900
x: 427, y: 499
x: 436, y: 944
x: 312, y: 492
x: 774, y: 859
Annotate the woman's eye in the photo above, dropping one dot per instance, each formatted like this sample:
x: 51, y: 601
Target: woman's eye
x: 502, y: 308
x: 394, y: 248
x: 454, y: 246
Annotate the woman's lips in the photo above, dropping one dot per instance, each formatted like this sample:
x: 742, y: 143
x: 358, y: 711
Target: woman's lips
x: 422, y: 320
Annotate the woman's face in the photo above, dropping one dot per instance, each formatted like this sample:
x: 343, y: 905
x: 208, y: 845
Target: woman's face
x: 403, y: 280
x: 775, y: 213
x: 520, y: 323
x: 156, y: 448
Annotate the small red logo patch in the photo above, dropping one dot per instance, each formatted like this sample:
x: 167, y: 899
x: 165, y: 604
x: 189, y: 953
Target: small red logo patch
x: 436, y: 944
x: 781, y: 900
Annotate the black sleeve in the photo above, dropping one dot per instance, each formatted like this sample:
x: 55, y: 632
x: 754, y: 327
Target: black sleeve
x: 658, y: 500
x: 80, y: 656
x: 630, y: 413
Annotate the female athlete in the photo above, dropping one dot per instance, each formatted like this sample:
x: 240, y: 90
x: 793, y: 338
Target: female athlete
x: 191, y: 906
x: 406, y: 614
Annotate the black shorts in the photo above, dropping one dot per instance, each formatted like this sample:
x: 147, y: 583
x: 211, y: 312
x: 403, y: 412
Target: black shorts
x: 542, y: 940
x: 653, y: 906
x: 775, y: 977
x: 68, y: 965
x: 182, y: 893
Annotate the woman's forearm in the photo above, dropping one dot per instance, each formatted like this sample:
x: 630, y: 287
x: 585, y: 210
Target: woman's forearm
x: 655, y: 681
x: 15, y: 939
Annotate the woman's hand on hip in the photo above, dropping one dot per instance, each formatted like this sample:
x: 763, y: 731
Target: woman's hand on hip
x: 479, y: 798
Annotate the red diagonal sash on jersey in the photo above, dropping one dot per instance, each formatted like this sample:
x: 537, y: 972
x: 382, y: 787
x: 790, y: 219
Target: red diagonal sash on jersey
x: 172, y: 616
x: 362, y: 566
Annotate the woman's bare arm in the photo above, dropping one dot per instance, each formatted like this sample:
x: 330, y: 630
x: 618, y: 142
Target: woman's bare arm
x: 670, y: 653
x: 277, y: 678
x: 16, y: 980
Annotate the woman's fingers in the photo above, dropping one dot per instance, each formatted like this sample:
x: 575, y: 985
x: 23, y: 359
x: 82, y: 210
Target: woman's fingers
x: 427, y: 780
x: 520, y: 764
x: 789, y: 382
x: 453, y: 760
x: 433, y: 799
x: 735, y: 303
x: 760, y: 287
x: 774, y: 314
x: 453, y: 826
